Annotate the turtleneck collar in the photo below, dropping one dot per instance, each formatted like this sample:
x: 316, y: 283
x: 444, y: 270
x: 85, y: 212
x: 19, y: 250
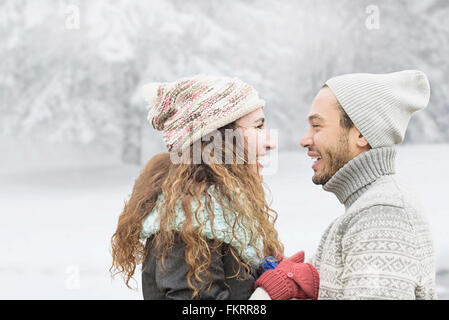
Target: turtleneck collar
x: 355, y: 177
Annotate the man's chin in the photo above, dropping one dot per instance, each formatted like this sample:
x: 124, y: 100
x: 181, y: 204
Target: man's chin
x: 316, y: 180
x: 319, y: 180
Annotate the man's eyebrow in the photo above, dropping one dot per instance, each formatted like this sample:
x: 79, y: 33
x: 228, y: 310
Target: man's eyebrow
x: 315, y: 117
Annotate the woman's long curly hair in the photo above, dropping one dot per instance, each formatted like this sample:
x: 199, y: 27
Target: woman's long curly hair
x: 185, y: 182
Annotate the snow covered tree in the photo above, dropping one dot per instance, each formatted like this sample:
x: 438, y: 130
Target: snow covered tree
x: 83, y: 84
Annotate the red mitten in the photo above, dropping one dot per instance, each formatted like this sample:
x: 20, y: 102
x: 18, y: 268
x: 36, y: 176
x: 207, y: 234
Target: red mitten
x: 292, y: 278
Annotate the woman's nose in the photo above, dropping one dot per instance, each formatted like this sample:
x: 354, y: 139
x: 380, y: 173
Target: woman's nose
x: 270, y: 143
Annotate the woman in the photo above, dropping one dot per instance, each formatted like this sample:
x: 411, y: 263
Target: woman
x: 201, y: 208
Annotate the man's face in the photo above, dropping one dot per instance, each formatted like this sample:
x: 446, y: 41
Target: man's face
x: 327, y: 141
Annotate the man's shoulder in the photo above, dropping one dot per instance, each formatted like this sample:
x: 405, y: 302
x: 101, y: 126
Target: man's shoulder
x: 388, y: 191
x: 390, y: 201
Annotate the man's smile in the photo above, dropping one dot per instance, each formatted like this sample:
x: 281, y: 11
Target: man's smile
x: 316, y: 156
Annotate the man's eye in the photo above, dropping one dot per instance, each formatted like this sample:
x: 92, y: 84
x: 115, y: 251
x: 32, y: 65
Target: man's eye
x: 315, y: 125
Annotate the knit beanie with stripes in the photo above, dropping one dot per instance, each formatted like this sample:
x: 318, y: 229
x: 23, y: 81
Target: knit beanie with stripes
x: 380, y: 105
x: 190, y: 108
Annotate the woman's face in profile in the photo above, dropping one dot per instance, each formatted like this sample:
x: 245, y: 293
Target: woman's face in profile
x: 256, y: 136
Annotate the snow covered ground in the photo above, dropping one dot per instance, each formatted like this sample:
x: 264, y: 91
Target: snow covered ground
x: 56, y: 223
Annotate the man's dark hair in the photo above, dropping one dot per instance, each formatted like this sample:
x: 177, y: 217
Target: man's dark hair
x: 345, y: 121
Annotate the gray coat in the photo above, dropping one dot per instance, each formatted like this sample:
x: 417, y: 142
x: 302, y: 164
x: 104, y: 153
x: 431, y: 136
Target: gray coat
x: 171, y: 283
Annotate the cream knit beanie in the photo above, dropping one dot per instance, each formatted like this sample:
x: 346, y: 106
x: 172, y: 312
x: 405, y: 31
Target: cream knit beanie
x: 190, y: 108
x: 380, y: 105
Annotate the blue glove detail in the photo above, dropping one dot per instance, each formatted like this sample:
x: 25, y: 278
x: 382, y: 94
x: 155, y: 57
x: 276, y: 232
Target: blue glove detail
x: 269, y: 263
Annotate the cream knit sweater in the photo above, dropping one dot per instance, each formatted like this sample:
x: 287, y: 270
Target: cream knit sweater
x: 381, y: 247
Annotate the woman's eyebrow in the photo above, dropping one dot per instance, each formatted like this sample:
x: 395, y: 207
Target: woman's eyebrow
x: 261, y: 119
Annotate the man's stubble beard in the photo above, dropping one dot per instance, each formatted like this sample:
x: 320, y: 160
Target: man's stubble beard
x: 335, y: 160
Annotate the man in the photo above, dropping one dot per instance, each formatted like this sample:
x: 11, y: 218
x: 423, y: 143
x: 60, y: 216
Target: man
x: 381, y: 247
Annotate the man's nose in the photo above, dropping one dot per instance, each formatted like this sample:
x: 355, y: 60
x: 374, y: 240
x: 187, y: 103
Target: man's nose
x: 306, y: 140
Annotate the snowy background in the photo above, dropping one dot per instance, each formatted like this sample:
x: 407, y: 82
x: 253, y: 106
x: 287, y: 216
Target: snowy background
x: 73, y: 133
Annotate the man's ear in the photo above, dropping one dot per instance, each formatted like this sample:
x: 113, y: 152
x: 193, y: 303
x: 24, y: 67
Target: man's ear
x: 361, y: 141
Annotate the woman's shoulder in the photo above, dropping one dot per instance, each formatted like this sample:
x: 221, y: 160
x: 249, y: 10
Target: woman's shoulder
x: 212, y: 216
x: 202, y: 214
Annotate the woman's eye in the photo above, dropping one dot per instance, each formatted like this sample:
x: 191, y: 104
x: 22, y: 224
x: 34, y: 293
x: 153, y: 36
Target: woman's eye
x: 260, y: 127
x: 315, y: 125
